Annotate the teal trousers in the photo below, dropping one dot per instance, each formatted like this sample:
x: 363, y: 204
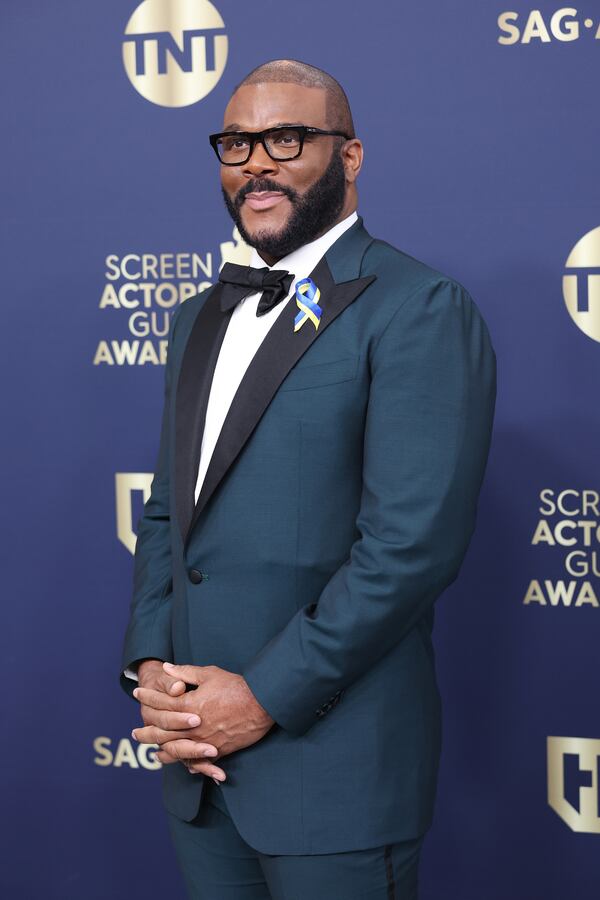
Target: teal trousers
x: 217, y: 864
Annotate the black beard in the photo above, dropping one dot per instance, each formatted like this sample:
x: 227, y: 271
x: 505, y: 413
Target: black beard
x: 313, y: 212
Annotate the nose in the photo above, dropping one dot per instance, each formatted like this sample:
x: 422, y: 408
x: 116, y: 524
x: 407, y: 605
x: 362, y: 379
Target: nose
x: 260, y: 163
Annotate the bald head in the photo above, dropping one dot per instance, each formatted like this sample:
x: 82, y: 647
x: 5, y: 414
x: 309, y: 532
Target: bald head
x: 281, y: 71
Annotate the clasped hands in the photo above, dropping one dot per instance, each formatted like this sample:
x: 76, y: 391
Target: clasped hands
x: 219, y: 717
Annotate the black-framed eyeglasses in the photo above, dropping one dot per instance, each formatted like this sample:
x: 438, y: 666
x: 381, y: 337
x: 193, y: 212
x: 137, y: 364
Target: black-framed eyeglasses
x: 234, y: 148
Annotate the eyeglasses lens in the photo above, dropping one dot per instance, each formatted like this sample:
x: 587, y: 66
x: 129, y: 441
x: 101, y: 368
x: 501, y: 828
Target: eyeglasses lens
x: 282, y: 143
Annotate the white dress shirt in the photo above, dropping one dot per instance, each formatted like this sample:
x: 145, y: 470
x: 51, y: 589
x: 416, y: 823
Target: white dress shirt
x: 245, y: 333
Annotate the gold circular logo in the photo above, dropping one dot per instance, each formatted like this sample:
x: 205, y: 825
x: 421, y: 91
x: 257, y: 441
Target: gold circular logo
x: 174, y: 51
x: 581, y: 284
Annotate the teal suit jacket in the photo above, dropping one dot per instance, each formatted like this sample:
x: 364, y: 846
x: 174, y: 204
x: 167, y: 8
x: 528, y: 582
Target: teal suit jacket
x: 337, y: 506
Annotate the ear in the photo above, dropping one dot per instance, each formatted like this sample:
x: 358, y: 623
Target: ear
x: 352, y: 157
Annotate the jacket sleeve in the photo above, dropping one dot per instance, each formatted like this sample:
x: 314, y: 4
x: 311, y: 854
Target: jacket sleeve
x: 148, y: 634
x: 427, y: 436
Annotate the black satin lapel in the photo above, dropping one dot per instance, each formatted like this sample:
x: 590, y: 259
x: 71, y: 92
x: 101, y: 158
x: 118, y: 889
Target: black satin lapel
x: 279, y: 352
x: 193, y: 388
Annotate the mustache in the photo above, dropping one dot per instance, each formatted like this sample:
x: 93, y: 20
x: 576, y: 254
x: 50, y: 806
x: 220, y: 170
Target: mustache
x: 263, y: 184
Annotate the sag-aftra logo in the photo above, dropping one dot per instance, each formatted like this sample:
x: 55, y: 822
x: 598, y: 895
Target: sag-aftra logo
x: 174, y: 51
x: 534, y: 26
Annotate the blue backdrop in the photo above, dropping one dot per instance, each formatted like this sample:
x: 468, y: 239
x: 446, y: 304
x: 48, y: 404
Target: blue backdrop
x: 481, y: 160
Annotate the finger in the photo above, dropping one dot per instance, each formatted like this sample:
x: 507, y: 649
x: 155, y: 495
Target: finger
x: 170, y: 685
x: 153, y: 735
x: 193, y: 766
x: 200, y: 768
x: 169, y: 721
x: 191, y: 750
x: 189, y: 674
x: 156, y: 678
x: 165, y: 758
x: 158, y: 699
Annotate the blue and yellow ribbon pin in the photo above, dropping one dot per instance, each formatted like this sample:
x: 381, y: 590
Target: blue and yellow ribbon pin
x: 307, y: 301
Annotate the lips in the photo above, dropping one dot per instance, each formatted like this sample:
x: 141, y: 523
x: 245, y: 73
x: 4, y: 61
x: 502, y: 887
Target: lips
x: 261, y: 200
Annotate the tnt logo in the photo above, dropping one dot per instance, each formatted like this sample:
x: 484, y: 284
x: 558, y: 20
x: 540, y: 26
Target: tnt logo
x: 174, y: 51
x: 573, y: 789
x: 581, y: 284
x: 128, y: 487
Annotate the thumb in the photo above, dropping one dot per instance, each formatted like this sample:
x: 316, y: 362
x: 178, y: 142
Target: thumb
x: 189, y: 674
x: 175, y: 688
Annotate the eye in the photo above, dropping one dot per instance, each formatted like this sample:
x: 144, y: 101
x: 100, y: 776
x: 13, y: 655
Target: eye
x: 234, y: 142
x: 286, y: 138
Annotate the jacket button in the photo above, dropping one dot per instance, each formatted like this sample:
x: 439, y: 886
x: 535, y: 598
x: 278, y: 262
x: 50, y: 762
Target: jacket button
x: 195, y: 576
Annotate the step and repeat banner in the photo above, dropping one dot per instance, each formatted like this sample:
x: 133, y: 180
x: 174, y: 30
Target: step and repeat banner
x: 480, y: 128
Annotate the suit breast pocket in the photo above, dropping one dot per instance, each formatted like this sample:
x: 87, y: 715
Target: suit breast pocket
x: 317, y: 374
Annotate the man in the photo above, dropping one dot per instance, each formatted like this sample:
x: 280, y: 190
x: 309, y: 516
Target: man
x: 325, y: 432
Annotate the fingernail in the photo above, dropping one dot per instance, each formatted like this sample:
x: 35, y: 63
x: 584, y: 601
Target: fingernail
x: 135, y: 693
x: 134, y: 734
x: 193, y: 721
x: 168, y: 665
x: 211, y: 752
x: 216, y: 780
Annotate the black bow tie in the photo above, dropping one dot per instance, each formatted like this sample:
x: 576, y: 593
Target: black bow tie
x: 243, y: 280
